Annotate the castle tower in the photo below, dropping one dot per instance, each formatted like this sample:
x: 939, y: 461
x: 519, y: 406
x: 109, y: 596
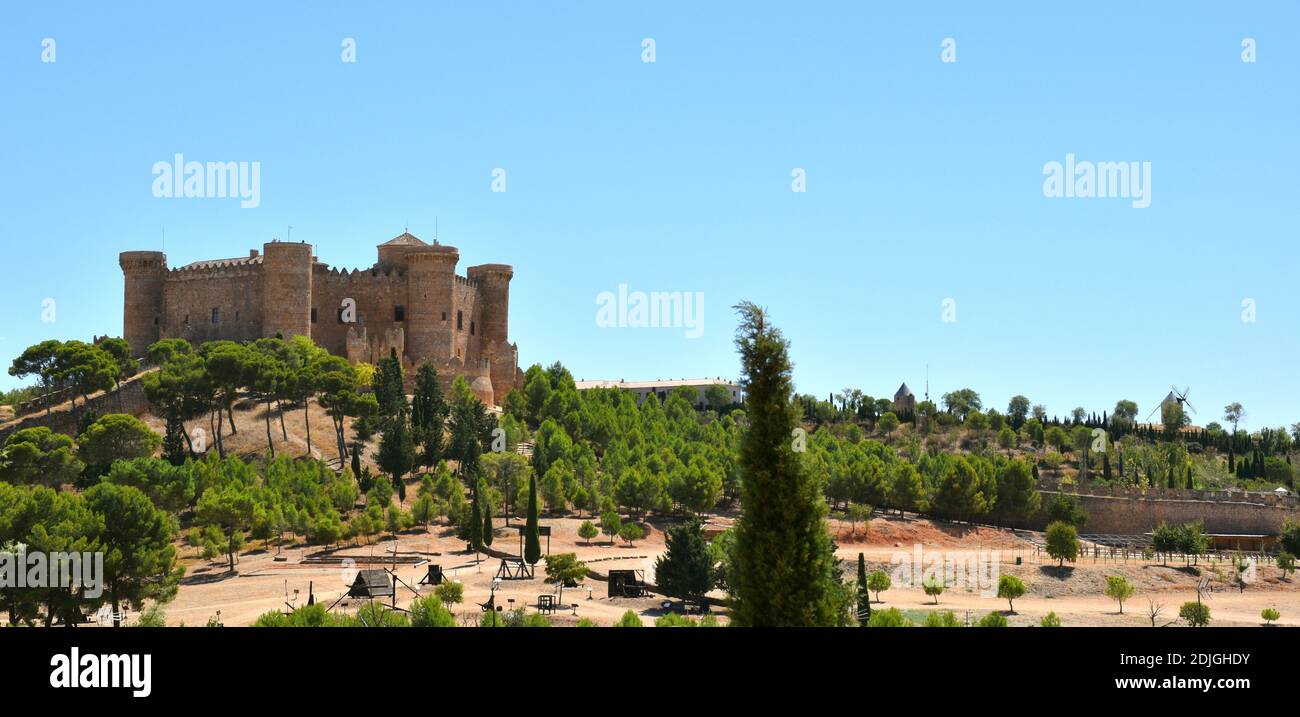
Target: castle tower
x: 494, y: 310
x: 430, y: 282
x: 145, y: 273
x: 286, y: 289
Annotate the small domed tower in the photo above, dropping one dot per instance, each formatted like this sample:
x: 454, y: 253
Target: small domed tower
x: 286, y: 289
x: 430, y: 282
x: 393, y: 253
x: 145, y: 273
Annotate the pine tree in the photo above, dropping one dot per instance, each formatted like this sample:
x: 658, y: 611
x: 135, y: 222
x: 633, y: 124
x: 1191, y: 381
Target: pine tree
x: 864, y: 596
x: 532, y: 537
x: 685, y: 570
x: 783, y: 568
x: 1105, y: 467
x: 1190, y: 485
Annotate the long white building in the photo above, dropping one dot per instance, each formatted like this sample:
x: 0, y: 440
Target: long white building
x: 661, y: 388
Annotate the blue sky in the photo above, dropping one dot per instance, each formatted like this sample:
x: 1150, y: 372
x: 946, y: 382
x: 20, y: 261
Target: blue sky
x: 924, y: 178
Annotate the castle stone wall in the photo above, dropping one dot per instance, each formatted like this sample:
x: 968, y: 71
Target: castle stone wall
x: 129, y: 398
x: 376, y: 292
x: 1131, y: 513
x: 465, y: 334
x: 190, y: 295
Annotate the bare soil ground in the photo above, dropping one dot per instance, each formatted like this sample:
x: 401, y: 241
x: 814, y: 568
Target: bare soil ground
x: 1075, y: 591
x: 262, y: 583
x: 250, y: 441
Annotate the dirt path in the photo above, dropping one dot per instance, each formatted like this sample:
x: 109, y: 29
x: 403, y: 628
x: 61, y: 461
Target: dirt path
x: 1225, y: 608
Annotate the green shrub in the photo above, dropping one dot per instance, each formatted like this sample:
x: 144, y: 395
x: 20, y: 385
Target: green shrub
x: 1196, y: 614
x: 430, y: 611
x: 890, y: 617
x: 629, y: 619
x: 941, y: 619
x: 993, y: 619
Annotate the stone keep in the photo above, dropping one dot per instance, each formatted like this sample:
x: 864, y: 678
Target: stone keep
x: 412, y: 301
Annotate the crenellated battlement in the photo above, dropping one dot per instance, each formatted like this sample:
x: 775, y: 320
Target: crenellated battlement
x: 376, y: 275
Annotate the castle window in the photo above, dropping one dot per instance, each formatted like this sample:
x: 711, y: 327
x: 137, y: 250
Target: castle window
x: 399, y: 313
x: 444, y: 316
x: 471, y: 328
x: 155, y: 321
x: 313, y: 316
x: 460, y: 324
x: 216, y: 316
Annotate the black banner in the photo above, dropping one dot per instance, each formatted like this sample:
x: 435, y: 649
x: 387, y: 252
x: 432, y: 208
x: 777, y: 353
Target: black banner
x: 330, y: 667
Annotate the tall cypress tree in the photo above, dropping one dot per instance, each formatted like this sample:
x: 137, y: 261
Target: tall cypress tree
x: 487, y: 516
x: 397, y: 450
x: 428, y: 415
x: 389, y: 385
x: 476, y: 524
x: 864, y: 595
x: 174, y: 447
x: 532, y: 537
x: 783, y: 568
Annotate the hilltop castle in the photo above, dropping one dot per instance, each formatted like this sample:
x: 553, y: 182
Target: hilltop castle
x: 411, y: 300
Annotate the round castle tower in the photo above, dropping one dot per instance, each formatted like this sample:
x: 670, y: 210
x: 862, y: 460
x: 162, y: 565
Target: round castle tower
x: 431, y: 278
x: 494, y: 311
x: 145, y: 273
x: 286, y: 289
x: 494, y: 291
